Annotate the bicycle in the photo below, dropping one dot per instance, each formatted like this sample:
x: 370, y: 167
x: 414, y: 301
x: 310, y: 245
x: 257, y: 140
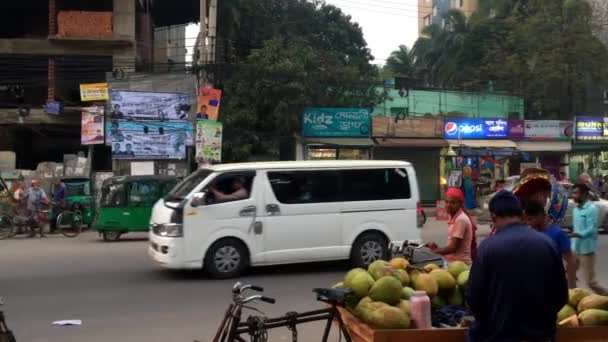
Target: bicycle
x: 69, y: 223
x: 232, y: 328
x: 408, y: 250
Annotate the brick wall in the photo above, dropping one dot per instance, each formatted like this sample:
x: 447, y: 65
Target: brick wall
x: 80, y: 24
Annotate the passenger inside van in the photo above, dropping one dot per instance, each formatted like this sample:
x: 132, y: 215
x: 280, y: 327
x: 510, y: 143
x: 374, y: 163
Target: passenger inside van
x: 236, y: 191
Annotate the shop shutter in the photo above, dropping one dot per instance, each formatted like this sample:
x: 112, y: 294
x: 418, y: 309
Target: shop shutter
x: 426, y: 163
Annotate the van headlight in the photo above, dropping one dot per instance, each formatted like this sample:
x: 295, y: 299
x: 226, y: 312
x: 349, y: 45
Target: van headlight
x: 168, y: 230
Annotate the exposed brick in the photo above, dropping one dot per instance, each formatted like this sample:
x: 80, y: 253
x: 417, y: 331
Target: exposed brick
x: 51, y: 79
x: 83, y: 24
x: 52, y: 17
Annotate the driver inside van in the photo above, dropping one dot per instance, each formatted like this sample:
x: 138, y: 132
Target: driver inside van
x: 238, y: 191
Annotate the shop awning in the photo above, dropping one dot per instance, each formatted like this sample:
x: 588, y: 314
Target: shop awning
x: 339, y: 141
x: 544, y: 146
x: 483, y: 143
x: 396, y: 142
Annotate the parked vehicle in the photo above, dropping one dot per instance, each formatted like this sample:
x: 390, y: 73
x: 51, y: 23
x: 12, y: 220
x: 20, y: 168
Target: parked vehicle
x: 292, y: 212
x: 79, y: 197
x: 126, y: 204
x: 601, y: 204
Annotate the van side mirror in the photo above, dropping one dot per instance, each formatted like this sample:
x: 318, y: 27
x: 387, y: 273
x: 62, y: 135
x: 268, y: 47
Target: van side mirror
x: 198, y: 199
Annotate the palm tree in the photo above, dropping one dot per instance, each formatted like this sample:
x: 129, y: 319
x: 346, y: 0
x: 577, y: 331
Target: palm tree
x: 400, y: 62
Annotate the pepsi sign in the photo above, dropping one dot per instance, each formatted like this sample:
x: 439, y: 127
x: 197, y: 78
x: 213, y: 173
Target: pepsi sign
x: 475, y: 129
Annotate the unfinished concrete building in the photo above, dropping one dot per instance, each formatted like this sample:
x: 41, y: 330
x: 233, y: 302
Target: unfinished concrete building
x: 49, y: 47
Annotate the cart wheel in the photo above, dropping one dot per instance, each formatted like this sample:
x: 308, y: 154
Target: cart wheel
x: 111, y: 235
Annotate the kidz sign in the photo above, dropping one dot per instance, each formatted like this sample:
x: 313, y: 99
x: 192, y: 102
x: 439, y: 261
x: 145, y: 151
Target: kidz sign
x: 475, y: 129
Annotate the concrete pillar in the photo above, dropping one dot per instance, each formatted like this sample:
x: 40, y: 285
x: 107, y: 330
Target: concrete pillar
x: 123, y: 21
x: 51, y: 79
x: 52, y: 17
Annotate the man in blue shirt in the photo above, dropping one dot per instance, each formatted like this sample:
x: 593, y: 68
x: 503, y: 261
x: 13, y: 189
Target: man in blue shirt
x: 536, y: 217
x: 584, y: 238
x: 517, y: 284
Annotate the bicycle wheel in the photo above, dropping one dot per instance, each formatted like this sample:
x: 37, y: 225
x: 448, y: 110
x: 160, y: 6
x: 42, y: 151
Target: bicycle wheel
x: 6, y: 227
x: 69, y: 223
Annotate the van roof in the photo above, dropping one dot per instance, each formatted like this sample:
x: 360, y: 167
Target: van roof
x: 308, y: 164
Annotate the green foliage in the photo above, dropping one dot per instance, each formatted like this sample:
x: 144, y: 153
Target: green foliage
x: 288, y: 55
x: 543, y: 50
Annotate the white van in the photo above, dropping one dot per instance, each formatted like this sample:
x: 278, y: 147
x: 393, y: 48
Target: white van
x: 227, y: 217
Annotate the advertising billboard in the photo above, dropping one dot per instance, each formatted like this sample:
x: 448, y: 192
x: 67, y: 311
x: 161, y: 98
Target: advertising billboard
x: 336, y: 122
x: 208, y: 141
x: 475, y: 129
x: 591, y: 128
x: 541, y: 130
x: 91, y: 129
x: 149, y: 139
x: 149, y: 106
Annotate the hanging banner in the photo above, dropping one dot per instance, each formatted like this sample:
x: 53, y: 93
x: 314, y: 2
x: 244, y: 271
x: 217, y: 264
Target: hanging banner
x: 149, y: 106
x: 149, y: 139
x: 91, y: 130
x: 208, y: 104
x: 94, y: 92
x: 208, y: 141
x: 336, y: 122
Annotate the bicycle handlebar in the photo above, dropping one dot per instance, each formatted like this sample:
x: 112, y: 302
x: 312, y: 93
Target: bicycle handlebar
x: 258, y: 297
x: 239, y: 288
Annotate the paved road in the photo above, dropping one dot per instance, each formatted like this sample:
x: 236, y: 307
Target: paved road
x: 121, y: 296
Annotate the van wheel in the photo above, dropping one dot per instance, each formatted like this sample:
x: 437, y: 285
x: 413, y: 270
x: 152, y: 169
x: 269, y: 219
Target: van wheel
x: 368, y: 248
x: 111, y: 235
x: 226, y: 258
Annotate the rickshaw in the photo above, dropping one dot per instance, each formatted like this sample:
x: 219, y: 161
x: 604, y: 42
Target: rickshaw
x: 126, y: 204
x: 79, y: 197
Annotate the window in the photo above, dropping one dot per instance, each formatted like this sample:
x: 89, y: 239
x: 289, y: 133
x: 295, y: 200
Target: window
x: 143, y: 193
x: 375, y: 184
x: 461, y: 3
x: 114, y: 195
x: 434, y: 10
x: 427, y: 20
x: 230, y: 187
x: 182, y: 189
x: 293, y: 187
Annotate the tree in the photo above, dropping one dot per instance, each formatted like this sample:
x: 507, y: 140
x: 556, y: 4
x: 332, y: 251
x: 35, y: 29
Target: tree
x: 400, y: 62
x: 288, y: 55
x: 544, y: 50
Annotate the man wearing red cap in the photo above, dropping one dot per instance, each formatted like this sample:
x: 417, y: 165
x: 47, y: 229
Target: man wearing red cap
x: 462, y: 243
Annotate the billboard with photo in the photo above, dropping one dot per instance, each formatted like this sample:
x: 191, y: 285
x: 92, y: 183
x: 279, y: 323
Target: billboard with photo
x: 209, y: 141
x: 91, y: 129
x: 149, y: 139
x: 149, y: 106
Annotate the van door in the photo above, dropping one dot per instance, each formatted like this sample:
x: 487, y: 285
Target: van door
x: 301, y: 216
x: 217, y: 219
x: 380, y: 199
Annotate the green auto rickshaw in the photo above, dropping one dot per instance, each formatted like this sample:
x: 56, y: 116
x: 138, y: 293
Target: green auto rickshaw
x: 126, y: 203
x: 79, y: 197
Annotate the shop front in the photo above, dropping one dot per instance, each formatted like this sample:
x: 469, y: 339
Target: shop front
x: 477, y: 158
x: 542, y: 143
x: 335, y: 133
x: 416, y: 140
x: 590, y: 149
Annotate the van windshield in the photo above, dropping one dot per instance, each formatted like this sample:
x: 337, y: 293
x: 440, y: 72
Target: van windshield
x: 181, y: 190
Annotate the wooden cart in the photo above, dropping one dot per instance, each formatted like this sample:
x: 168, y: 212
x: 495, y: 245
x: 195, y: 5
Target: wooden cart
x: 361, y: 332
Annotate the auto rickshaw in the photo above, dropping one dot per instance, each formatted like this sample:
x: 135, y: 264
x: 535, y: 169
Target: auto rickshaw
x: 79, y: 197
x: 126, y: 203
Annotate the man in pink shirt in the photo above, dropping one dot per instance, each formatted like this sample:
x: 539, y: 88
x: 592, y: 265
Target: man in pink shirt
x: 462, y: 243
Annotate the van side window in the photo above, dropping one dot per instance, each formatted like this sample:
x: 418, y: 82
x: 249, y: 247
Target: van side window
x: 294, y: 187
x: 230, y: 188
x: 375, y: 184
